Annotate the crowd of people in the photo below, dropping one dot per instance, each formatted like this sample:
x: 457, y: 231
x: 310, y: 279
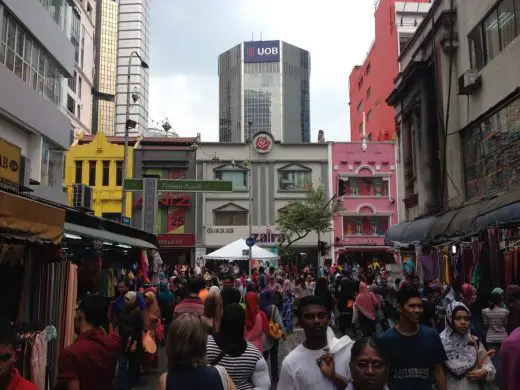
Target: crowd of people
x: 363, y: 331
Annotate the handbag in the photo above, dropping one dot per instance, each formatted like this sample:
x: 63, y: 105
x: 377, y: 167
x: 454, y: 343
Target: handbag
x: 483, y: 385
x: 275, y: 330
x: 149, y: 344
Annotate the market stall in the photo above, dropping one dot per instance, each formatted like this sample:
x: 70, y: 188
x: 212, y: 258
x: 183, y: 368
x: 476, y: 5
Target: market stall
x: 238, y: 252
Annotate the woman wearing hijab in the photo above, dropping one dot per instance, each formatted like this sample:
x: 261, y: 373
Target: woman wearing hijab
x: 365, y: 305
x: 152, y: 321
x: 213, y: 308
x: 166, y: 301
x: 288, y: 306
x: 229, y: 349
x: 257, y: 323
x: 130, y: 327
x: 467, y: 364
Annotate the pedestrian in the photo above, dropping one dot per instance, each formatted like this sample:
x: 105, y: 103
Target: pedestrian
x: 270, y: 341
x: 288, y: 306
x: 192, y: 303
x: 10, y: 377
x: 257, y: 324
x: 213, y: 308
x: 495, y: 323
x: 369, y: 366
x: 510, y: 362
x: 130, y: 328
x: 90, y: 362
x: 119, y: 303
x: 365, y: 306
x: 415, y: 350
x: 152, y: 325
x: 300, y: 369
x: 166, y: 300
x: 467, y: 365
x: 229, y: 293
x: 188, y: 367
x: 513, y: 304
x: 242, y: 360
x: 322, y: 290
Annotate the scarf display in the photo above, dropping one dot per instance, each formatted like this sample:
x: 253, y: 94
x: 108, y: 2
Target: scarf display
x: 462, y: 356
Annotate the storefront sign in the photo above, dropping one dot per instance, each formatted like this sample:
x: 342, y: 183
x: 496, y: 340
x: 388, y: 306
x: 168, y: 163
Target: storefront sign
x: 169, y: 199
x: 176, y: 240
x: 268, y: 237
x: 10, y: 162
x: 359, y: 241
x: 217, y: 230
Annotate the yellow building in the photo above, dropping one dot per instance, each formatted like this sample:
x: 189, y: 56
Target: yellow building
x: 97, y: 161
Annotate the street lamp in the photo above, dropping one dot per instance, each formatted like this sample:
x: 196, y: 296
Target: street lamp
x: 249, y: 185
x: 129, y: 124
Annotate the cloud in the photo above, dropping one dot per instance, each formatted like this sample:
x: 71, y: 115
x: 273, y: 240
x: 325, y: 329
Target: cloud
x: 188, y: 36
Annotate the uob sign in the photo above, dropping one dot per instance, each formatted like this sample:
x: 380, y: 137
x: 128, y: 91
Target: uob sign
x: 261, y: 51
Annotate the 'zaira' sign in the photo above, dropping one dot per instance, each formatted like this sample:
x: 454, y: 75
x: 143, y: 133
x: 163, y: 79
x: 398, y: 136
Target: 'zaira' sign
x: 261, y: 51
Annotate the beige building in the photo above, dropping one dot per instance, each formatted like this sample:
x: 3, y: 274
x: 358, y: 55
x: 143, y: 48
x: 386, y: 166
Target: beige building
x: 280, y: 175
x: 458, y: 112
x: 78, y: 101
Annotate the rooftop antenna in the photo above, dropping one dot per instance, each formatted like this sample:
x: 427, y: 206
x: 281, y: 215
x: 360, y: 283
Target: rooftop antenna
x: 252, y: 37
x: 261, y: 35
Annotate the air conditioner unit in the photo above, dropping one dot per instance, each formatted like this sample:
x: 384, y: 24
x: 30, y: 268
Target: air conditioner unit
x: 82, y: 197
x: 469, y: 82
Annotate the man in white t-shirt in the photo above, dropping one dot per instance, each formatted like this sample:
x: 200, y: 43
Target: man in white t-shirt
x: 300, y: 369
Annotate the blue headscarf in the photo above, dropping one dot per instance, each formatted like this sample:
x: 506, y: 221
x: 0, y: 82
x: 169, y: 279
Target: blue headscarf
x: 165, y: 296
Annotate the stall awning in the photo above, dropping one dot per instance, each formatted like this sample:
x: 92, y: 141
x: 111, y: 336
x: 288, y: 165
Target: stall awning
x: 502, y: 210
x: 106, y: 236
x: 29, y: 219
x: 407, y: 233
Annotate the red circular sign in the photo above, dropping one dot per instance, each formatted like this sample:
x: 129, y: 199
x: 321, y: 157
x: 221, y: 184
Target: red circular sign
x: 263, y: 143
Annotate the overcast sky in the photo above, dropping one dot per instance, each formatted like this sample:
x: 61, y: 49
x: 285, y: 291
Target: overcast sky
x: 188, y: 36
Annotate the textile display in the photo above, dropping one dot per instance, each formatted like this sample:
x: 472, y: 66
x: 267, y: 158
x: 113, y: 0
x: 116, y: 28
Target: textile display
x: 49, y: 297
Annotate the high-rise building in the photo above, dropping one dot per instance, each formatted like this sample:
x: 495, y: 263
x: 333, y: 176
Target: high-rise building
x: 36, y: 58
x: 265, y: 83
x: 133, y: 36
x: 78, y: 104
x: 371, y: 83
x: 104, y: 115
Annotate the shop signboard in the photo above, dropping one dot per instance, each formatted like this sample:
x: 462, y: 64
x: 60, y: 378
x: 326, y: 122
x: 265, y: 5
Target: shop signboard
x: 176, y: 240
x: 10, y: 163
x: 362, y: 241
x: 181, y: 185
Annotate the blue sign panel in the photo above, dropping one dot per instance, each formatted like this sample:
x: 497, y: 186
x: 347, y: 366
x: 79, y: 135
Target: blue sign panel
x: 250, y: 241
x: 262, y: 51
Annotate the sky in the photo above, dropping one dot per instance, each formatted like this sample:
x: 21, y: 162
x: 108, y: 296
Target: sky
x: 188, y: 36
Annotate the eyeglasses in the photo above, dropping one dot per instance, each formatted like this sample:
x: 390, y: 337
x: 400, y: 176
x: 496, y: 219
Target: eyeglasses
x: 311, y: 316
x: 364, y: 365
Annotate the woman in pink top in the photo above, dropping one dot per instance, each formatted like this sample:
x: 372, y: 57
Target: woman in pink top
x: 366, y: 303
x: 256, y: 321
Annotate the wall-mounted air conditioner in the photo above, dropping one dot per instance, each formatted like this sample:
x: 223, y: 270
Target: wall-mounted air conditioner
x: 469, y: 82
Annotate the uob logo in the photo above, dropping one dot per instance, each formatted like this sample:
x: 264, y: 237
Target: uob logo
x: 262, y: 51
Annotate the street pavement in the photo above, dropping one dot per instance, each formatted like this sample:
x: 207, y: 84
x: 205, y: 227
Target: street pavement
x: 150, y: 381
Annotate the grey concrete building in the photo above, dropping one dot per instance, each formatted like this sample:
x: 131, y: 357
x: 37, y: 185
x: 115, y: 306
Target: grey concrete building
x: 169, y: 158
x: 458, y: 113
x: 266, y: 82
x: 281, y: 173
x: 36, y: 58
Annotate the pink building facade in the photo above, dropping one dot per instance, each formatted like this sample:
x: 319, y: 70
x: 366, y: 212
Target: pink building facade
x: 364, y: 177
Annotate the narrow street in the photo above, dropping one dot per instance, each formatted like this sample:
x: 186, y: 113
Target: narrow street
x: 151, y: 380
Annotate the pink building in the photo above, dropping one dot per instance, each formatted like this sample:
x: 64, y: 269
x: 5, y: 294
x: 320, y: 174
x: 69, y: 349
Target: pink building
x: 364, y: 176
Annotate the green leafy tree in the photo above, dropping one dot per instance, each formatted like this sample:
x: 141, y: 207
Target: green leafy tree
x: 299, y: 218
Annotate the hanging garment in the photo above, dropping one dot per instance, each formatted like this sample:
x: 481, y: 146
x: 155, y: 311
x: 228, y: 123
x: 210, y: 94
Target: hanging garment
x: 39, y: 360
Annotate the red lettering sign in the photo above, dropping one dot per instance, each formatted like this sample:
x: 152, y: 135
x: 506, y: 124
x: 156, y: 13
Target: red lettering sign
x: 169, y: 199
x: 176, y: 240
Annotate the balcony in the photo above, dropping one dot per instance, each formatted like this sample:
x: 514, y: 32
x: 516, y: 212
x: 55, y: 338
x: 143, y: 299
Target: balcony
x: 364, y: 187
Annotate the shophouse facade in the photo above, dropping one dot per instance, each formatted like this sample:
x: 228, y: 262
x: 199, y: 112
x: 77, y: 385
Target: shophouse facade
x: 280, y: 173
x: 364, y: 178
x: 458, y: 113
x: 94, y: 174
x: 169, y: 158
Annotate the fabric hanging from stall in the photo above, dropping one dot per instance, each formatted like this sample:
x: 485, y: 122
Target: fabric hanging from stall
x: 494, y: 257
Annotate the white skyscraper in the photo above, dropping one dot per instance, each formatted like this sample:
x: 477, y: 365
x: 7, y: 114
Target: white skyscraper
x: 133, y: 36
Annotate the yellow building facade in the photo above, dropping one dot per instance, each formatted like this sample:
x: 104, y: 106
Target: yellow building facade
x: 97, y: 161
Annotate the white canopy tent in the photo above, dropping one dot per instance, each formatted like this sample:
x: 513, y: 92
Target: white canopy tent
x: 238, y: 250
